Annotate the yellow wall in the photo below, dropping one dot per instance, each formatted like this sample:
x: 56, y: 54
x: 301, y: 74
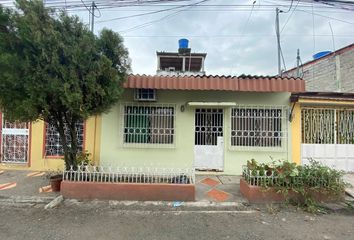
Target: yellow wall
x: 296, y: 133
x: 38, y: 162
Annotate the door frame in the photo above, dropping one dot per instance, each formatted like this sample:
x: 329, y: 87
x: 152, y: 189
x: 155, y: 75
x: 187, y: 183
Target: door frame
x: 222, y: 161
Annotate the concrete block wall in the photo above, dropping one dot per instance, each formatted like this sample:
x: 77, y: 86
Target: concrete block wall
x: 333, y: 73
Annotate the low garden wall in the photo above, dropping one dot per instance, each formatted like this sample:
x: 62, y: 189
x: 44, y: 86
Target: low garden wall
x: 138, y: 184
x: 281, y: 181
x: 128, y: 191
x: 256, y: 194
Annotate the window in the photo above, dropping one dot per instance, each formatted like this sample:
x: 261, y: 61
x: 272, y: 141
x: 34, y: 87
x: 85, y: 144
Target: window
x: 145, y: 94
x: 263, y: 127
x: 149, y: 125
x: 327, y: 126
x: 53, y: 146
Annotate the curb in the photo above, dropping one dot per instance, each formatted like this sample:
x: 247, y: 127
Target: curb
x: 24, y: 200
x: 200, y: 204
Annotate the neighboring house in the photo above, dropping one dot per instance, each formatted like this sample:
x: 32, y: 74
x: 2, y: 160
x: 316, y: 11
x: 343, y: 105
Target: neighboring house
x: 333, y: 72
x: 36, y: 145
x: 323, y: 129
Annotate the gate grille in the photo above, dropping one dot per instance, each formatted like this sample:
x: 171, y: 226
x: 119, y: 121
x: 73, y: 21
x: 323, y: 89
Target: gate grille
x: 14, y: 142
x: 208, y: 125
x: 327, y: 126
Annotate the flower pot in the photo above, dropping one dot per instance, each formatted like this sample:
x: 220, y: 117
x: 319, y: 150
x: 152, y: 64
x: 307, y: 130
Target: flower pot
x: 55, y: 182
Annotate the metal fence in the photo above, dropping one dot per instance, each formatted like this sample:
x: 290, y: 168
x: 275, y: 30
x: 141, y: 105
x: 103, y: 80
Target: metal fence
x: 130, y: 175
x: 268, y: 178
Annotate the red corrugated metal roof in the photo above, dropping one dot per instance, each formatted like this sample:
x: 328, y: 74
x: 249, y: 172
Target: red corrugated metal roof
x: 226, y: 83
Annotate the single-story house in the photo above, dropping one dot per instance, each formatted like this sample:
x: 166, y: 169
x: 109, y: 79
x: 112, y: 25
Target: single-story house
x: 206, y: 122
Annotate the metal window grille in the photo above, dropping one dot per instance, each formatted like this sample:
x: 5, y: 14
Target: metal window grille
x: 15, y: 137
x: 148, y: 125
x: 130, y: 175
x: 327, y: 126
x: 145, y: 94
x: 53, y: 146
x: 264, y: 127
x: 208, y: 125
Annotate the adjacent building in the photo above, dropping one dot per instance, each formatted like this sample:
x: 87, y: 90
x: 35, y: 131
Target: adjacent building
x: 328, y: 72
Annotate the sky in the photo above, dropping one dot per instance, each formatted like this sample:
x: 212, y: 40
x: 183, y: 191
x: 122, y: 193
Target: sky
x: 237, y: 35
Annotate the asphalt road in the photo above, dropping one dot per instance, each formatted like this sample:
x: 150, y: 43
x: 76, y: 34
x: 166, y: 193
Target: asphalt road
x: 99, y: 222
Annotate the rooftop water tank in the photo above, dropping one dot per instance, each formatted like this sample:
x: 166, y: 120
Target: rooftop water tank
x: 321, y: 54
x: 183, y: 43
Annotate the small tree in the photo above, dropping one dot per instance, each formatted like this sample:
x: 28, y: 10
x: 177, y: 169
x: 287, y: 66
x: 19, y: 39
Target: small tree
x: 54, y: 69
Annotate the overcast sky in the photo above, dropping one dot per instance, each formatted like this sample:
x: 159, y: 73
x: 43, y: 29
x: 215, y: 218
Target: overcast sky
x: 237, y: 40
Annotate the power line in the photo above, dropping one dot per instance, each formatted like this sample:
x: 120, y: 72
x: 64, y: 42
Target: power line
x: 291, y: 14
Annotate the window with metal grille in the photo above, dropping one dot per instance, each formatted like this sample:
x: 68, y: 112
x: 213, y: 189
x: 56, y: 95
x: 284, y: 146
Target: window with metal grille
x: 145, y: 94
x: 327, y: 126
x: 53, y: 146
x: 255, y: 126
x: 148, y: 125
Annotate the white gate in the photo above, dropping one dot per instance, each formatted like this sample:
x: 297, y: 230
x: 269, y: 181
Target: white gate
x: 328, y: 137
x: 14, y: 142
x: 209, y: 141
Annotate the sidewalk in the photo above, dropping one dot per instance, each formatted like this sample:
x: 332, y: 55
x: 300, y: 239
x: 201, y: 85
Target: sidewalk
x: 24, y: 183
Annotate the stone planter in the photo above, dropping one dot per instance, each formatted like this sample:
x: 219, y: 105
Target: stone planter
x: 128, y: 191
x: 257, y: 194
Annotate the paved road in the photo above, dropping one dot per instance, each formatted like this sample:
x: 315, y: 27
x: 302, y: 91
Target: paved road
x: 107, y: 222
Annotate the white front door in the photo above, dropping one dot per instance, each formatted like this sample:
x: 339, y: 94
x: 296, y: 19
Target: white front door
x: 209, y: 139
x: 14, y: 142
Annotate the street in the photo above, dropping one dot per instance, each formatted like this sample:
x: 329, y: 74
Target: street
x: 109, y: 222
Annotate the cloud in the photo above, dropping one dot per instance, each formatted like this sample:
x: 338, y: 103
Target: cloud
x: 233, y: 45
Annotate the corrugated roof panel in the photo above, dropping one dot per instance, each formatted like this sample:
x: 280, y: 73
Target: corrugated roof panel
x: 226, y: 83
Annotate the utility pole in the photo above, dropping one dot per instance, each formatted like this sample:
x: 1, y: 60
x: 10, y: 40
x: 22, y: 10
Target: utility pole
x: 93, y: 16
x: 278, y: 39
x: 298, y: 63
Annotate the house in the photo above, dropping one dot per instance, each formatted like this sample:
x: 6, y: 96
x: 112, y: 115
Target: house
x: 178, y: 118
x: 36, y: 146
x: 328, y: 72
x: 182, y: 117
x: 323, y: 128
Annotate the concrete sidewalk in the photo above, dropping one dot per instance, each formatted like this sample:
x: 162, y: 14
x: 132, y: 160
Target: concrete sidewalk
x: 14, y: 183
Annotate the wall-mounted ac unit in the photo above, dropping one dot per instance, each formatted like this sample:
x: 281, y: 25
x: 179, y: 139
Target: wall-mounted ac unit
x: 145, y: 94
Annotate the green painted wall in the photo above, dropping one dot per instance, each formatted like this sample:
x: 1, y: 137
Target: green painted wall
x: 114, y: 154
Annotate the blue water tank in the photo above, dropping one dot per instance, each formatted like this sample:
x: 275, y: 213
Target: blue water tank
x: 183, y: 43
x: 321, y: 54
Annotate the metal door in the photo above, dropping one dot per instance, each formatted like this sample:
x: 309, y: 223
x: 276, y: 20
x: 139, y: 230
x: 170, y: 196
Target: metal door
x: 14, y: 142
x: 209, y: 140
x: 328, y: 137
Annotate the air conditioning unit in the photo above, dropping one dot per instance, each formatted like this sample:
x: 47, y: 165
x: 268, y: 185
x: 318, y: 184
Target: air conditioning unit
x: 145, y: 94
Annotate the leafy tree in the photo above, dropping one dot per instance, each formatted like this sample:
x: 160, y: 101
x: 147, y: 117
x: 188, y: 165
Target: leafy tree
x: 54, y: 69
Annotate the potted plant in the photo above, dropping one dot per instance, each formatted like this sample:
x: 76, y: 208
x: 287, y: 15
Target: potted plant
x: 55, y: 179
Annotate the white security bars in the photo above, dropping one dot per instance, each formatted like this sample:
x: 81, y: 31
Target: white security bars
x: 15, y: 138
x: 208, y: 125
x: 130, y: 175
x: 259, y: 127
x: 148, y: 125
x: 53, y: 146
x: 327, y: 126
